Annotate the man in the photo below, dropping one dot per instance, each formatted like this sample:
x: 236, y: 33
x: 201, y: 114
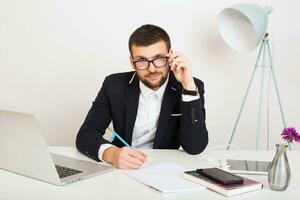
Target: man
x: 159, y: 105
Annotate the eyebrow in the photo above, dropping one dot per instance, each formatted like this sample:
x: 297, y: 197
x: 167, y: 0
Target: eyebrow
x: 160, y: 54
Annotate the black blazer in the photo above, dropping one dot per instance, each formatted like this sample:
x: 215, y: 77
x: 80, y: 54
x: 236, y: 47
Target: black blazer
x: 118, y: 101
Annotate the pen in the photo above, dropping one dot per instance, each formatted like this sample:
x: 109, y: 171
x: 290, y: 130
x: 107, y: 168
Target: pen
x: 119, y: 137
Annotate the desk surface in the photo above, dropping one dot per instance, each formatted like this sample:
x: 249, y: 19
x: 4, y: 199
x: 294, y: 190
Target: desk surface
x: 115, y: 185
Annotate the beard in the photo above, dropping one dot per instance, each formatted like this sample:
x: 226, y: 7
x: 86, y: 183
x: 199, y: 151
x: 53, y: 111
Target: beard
x: 154, y: 86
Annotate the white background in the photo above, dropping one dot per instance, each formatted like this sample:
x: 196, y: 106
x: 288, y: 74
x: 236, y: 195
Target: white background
x: 54, y: 55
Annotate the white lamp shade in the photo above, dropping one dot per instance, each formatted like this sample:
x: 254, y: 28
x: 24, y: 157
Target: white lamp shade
x: 243, y: 26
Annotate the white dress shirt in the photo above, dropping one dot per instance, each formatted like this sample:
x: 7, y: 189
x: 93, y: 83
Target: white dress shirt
x: 147, y: 117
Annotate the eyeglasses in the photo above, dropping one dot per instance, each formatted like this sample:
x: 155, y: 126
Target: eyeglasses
x: 157, y: 62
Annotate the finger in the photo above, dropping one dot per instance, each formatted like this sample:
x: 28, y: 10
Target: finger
x: 134, y: 160
x: 173, y: 66
x: 138, y: 155
x: 173, y: 56
x: 182, y: 64
x: 131, y: 162
x: 141, y: 152
x: 128, y: 165
x: 177, y: 62
x: 179, y: 58
x: 176, y: 55
x: 173, y: 63
x: 180, y: 67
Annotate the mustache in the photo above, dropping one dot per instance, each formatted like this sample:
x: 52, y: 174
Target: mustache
x: 152, y: 74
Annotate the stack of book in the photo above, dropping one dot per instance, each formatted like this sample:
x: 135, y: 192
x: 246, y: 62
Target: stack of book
x: 226, y: 190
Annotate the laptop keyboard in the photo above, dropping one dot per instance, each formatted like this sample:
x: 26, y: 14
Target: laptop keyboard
x: 65, y: 171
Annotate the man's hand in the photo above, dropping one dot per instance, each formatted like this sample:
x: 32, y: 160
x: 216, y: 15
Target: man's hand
x: 181, y: 68
x: 124, y: 158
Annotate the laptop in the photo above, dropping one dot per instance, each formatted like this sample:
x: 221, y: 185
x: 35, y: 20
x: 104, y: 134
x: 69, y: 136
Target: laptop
x: 23, y: 150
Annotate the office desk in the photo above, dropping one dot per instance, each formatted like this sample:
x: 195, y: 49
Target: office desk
x: 115, y: 185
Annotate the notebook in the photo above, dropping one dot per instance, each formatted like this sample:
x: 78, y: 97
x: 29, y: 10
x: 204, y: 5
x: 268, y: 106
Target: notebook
x: 226, y: 190
x: 164, y: 177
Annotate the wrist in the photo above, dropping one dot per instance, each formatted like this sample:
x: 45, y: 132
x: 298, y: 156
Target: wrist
x: 190, y: 86
x: 108, y: 154
x: 190, y: 92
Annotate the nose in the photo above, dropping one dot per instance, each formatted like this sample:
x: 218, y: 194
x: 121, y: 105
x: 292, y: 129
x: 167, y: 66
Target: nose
x: 151, y: 67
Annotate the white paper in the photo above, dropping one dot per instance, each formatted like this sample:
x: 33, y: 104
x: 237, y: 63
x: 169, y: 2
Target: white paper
x: 164, y: 177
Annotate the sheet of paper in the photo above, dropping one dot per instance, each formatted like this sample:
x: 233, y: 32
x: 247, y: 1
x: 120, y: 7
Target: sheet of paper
x: 164, y: 177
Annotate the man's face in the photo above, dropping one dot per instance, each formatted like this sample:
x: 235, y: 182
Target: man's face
x: 153, y: 77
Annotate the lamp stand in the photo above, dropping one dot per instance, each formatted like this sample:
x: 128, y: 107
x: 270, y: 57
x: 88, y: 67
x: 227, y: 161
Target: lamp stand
x: 264, y: 48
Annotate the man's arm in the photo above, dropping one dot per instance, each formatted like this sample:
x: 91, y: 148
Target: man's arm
x: 90, y: 139
x: 90, y: 135
x: 193, y: 132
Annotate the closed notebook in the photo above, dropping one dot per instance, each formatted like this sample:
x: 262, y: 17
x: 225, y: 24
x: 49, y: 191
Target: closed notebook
x: 164, y: 177
x: 228, y: 189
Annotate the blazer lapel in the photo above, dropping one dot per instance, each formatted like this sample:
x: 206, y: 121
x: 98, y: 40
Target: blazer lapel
x: 132, y: 101
x: 170, y: 99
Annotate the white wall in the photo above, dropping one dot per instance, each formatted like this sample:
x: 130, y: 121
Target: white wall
x: 54, y: 55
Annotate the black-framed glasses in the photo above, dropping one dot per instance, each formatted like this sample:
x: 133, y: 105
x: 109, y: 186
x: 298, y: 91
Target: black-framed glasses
x: 157, y: 62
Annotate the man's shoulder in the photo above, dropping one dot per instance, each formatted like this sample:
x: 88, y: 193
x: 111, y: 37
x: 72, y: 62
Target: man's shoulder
x: 119, y: 79
x: 122, y: 76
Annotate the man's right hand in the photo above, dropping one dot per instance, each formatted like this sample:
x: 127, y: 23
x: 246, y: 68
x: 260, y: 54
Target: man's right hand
x: 124, y: 158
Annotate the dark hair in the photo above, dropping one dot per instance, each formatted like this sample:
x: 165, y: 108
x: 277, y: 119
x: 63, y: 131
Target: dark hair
x: 148, y: 34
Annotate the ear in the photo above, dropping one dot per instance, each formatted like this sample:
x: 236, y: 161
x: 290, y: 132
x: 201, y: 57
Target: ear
x: 131, y: 62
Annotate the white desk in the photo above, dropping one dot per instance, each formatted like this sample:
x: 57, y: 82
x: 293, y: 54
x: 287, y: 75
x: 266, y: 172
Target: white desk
x: 114, y: 185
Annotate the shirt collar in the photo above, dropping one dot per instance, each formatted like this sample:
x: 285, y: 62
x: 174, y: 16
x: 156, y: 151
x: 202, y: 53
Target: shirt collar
x: 146, y: 91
